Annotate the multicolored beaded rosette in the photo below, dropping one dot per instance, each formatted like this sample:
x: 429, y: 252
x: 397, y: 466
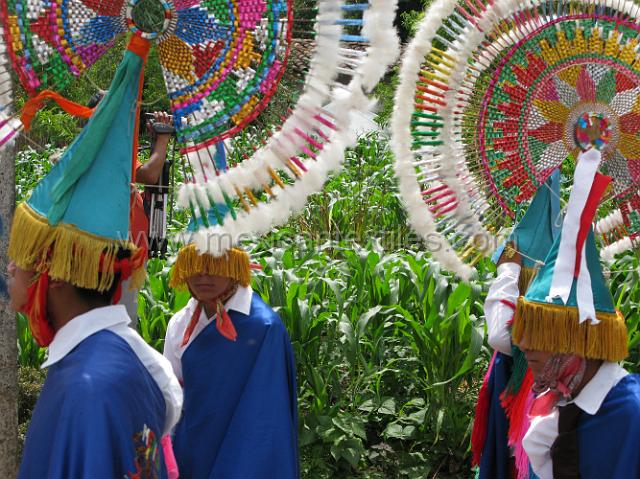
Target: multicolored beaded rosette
x: 495, y: 96
x: 226, y: 63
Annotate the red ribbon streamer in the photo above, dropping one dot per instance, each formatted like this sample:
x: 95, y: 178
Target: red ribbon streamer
x: 600, y: 184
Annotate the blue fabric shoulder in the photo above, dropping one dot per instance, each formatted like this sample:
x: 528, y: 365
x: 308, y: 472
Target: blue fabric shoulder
x: 262, y: 313
x: 100, y: 415
x: 240, y: 409
x: 609, y: 441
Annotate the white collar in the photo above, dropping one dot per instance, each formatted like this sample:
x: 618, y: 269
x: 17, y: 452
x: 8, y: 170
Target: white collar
x: 116, y: 319
x: 81, y: 327
x: 240, y: 301
x: 594, y: 393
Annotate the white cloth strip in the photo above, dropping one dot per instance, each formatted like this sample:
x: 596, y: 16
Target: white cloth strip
x: 562, y: 280
x: 584, y: 294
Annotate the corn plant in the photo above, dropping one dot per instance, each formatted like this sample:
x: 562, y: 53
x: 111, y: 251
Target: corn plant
x: 385, y: 347
x: 625, y: 279
x: 30, y: 355
x: 157, y: 303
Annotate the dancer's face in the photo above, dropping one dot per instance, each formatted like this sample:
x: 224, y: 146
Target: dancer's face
x: 18, y: 284
x: 207, y: 288
x: 537, y: 360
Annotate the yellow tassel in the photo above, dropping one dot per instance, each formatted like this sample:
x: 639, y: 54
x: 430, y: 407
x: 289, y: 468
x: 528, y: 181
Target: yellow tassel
x: 556, y: 328
x: 68, y: 253
x: 138, y: 278
x: 234, y: 264
x: 525, y: 279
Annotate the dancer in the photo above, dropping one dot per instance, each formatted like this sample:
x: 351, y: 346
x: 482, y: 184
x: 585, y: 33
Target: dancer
x: 573, y: 337
x: 234, y: 358
x: 108, y: 397
x: 501, y: 416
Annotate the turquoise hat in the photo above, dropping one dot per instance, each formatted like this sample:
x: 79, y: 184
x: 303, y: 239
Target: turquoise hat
x: 540, y: 225
x: 534, y: 235
x: 546, y: 323
x: 77, y: 218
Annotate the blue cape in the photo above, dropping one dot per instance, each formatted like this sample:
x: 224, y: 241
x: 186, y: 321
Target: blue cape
x: 494, y: 463
x: 100, y: 415
x: 239, y: 418
x: 609, y: 441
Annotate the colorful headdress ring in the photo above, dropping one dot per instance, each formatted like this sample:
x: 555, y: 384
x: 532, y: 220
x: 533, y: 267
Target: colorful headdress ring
x: 495, y: 96
x: 226, y: 65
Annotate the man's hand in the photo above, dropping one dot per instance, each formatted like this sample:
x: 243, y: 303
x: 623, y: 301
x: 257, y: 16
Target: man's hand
x: 160, y: 118
x: 161, y: 127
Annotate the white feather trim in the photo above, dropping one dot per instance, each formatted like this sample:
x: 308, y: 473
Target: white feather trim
x: 385, y: 43
x: 420, y: 217
x: 609, y: 223
x: 253, y: 173
x: 260, y: 220
x: 609, y: 253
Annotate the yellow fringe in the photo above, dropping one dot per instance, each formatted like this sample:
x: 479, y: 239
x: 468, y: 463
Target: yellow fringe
x: 555, y: 328
x: 234, y: 264
x: 138, y: 277
x: 68, y: 253
x: 526, y: 278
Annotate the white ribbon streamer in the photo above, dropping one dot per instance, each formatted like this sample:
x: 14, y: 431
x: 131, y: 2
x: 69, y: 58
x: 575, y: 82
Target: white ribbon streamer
x: 562, y: 279
x: 584, y: 294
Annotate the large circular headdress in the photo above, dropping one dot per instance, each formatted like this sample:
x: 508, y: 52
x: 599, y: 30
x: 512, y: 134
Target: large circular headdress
x: 228, y: 53
x: 494, y: 97
x: 226, y: 63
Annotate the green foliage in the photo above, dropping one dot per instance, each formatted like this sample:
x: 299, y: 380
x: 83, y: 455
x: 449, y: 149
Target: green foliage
x: 385, y: 347
x: 385, y: 93
x: 371, y: 207
x: 157, y: 303
x: 411, y: 20
x: 149, y: 16
x: 31, y: 166
x: 29, y: 353
x: 51, y: 123
x: 625, y: 279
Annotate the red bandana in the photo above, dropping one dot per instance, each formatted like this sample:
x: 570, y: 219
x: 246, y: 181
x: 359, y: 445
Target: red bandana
x: 224, y: 325
x: 36, y: 311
